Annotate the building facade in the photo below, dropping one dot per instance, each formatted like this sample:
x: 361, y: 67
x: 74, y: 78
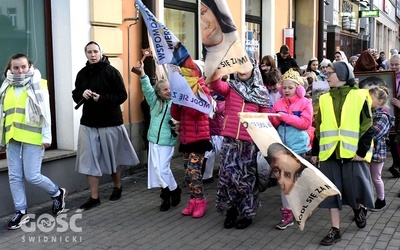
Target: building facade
x: 53, y: 34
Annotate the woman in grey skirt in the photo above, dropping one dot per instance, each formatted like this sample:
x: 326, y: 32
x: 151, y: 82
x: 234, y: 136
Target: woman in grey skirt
x: 343, y: 144
x: 103, y: 143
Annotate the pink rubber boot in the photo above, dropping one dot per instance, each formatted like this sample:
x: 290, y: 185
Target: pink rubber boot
x: 200, y: 209
x: 190, y: 207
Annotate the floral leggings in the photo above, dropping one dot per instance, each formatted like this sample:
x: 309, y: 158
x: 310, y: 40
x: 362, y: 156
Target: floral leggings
x: 193, y: 162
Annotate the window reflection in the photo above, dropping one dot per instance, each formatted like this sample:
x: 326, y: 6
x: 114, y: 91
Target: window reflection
x: 22, y: 31
x: 182, y: 25
x: 252, y: 40
x: 253, y: 7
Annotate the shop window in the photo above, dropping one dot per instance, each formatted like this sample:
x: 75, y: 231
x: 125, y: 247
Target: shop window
x: 22, y: 25
x: 182, y: 25
x: 252, y: 40
x: 253, y: 7
x: 181, y: 19
x: 253, y: 29
x: 23, y: 30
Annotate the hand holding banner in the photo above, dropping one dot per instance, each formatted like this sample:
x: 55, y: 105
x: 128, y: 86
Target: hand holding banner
x: 169, y: 50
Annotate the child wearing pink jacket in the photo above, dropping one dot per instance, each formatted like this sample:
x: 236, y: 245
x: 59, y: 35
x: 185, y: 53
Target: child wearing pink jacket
x: 295, y: 118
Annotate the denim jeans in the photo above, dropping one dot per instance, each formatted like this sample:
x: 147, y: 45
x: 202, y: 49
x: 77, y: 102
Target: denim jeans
x: 26, y: 160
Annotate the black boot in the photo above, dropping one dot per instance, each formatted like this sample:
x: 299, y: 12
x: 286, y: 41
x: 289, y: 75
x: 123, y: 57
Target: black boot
x: 395, y: 170
x: 176, y: 196
x: 165, y: 196
x: 231, y: 217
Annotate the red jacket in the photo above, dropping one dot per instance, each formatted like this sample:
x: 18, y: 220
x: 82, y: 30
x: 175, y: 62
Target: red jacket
x: 234, y: 104
x: 194, y: 125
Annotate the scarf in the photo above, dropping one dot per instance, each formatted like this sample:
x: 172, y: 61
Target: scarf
x: 35, y: 106
x: 253, y: 90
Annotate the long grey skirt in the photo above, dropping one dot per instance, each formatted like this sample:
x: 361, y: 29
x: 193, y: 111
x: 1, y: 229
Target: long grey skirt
x: 353, y: 179
x: 101, y: 150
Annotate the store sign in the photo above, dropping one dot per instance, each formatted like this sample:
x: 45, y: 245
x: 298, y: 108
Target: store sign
x: 368, y: 13
x: 349, y: 18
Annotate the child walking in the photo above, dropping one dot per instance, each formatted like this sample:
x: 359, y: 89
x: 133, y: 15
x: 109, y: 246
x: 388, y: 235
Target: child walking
x: 382, y: 122
x: 295, y: 117
x: 162, y: 138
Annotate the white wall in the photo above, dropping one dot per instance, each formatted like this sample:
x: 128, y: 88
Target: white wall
x: 268, y: 26
x: 71, y: 32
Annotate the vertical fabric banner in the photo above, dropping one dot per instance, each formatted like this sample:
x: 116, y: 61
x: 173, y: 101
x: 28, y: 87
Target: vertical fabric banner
x: 225, y: 53
x: 169, y: 50
x: 303, y: 184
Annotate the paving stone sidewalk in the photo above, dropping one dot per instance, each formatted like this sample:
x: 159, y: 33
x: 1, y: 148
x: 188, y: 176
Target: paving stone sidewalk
x: 135, y: 222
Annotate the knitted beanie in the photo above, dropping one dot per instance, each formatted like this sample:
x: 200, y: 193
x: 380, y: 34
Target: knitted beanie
x: 343, y: 71
x: 292, y: 75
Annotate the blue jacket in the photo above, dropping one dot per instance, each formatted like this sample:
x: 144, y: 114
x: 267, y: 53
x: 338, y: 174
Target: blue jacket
x: 159, y: 130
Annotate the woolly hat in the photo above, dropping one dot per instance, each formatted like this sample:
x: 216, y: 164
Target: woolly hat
x: 393, y: 51
x: 353, y: 58
x: 343, y: 71
x: 324, y: 62
x: 292, y: 75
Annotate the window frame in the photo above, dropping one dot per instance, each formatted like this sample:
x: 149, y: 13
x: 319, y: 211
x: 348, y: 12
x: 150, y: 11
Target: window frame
x: 188, y: 7
x: 50, y: 74
x: 257, y: 20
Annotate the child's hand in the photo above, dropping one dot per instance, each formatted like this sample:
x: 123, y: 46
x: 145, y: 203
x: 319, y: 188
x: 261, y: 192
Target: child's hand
x: 357, y: 158
x: 139, y: 65
x: 314, y: 160
x: 395, y: 102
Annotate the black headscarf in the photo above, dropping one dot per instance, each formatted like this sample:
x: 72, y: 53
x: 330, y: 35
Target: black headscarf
x: 224, y: 20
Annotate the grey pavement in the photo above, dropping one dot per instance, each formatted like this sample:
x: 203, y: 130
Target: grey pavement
x: 135, y: 222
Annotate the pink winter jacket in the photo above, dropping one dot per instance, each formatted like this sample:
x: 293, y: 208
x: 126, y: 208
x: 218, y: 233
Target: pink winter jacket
x: 234, y: 104
x: 296, y: 118
x: 194, y: 125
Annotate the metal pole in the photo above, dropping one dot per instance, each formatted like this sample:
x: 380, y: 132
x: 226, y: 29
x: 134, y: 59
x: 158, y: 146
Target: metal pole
x: 321, y: 19
x: 371, y: 26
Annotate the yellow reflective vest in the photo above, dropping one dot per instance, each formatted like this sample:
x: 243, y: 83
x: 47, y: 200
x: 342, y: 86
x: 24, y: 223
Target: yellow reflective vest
x: 348, y: 134
x: 15, y: 123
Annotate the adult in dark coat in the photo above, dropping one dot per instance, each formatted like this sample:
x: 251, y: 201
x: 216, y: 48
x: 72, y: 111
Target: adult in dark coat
x: 285, y: 61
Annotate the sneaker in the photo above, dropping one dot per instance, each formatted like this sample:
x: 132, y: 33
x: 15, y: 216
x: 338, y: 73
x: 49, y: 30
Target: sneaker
x: 59, y: 202
x: 116, y: 194
x: 360, y: 217
x: 379, y: 205
x: 90, y: 203
x: 332, y: 237
x: 18, y: 219
x: 287, y: 219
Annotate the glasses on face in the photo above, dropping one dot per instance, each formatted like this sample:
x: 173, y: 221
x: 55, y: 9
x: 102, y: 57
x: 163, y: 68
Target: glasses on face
x: 329, y: 73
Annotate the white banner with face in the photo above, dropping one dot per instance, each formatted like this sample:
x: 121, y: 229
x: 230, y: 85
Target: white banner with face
x: 304, y: 186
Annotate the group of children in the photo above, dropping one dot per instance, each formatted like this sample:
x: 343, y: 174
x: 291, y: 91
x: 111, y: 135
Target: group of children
x: 351, y: 128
